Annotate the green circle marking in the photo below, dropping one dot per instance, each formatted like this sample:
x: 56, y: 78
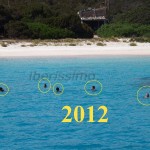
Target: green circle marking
x: 138, y: 99
x: 60, y: 92
x: 7, y: 89
x: 40, y: 88
x: 90, y: 82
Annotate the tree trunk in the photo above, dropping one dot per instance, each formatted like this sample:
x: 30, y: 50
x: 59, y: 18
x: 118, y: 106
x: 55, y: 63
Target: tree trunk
x: 8, y: 4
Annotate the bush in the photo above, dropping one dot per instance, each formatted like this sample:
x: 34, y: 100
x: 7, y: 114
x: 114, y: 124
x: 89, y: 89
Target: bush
x: 123, y: 30
x: 5, y: 17
x: 141, y: 39
x: 143, y: 30
x: 3, y: 44
x: 72, y: 23
x: 43, y: 31
x: 81, y: 30
x: 72, y: 44
x: 17, y: 29
x: 86, y: 32
x: 133, y: 44
x: 138, y: 15
x: 100, y: 44
x: 37, y: 10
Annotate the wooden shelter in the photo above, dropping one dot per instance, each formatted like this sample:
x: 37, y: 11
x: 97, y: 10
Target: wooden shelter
x: 94, y: 17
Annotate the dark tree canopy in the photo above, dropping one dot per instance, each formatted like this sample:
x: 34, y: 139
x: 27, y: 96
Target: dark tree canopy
x: 62, y: 15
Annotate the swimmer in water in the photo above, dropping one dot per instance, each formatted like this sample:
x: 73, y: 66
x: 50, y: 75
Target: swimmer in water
x: 147, y: 95
x: 1, y: 89
x: 45, y: 86
x: 93, y: 88
x: 58, y: 90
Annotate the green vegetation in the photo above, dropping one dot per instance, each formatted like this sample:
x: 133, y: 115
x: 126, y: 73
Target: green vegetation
x: 128, y: 18
x: 139, y: 15
x: 72, y: 44
x: 133, y: 44
x: 100, y: 44
x: 124, y: 30
x: 43, y: 31
x: 56, y: 19
x: 17, y: 29
x: 3, y: 44
x: 140, y: 39
x: 23, y: 45
x: 89, y: 44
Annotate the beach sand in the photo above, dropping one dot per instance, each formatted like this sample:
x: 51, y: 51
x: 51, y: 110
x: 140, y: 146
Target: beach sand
x: 110, y: 49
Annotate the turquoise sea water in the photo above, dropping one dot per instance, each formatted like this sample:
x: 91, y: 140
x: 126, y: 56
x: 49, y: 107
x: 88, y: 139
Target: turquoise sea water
x: 31, y: 120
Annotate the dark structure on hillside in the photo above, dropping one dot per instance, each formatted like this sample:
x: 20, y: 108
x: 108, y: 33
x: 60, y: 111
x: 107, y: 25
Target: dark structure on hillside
x: 95, y: 17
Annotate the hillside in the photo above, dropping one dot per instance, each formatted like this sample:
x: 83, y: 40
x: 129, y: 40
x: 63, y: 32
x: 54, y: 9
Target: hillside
x: 58, y: 18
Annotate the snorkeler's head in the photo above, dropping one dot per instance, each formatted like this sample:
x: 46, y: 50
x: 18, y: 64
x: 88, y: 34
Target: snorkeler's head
x: 93, y: 87
x: 57, y: 89
x: 1, y: 89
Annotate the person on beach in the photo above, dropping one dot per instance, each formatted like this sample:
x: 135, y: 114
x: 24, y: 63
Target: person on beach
x: 147, y: 95
x: 93, y: 88
x: 1, y: 89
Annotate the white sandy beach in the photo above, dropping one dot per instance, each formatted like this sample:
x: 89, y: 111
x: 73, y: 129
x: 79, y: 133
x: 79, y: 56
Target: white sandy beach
x: 110, y: 49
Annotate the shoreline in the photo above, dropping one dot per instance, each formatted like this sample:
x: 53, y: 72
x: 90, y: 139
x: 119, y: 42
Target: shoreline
x: 111, y: 48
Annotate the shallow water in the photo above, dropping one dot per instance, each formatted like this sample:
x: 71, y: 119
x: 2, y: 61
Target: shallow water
x: 32, y: 120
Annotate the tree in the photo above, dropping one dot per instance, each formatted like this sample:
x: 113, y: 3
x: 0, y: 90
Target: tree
x: 5, y: 17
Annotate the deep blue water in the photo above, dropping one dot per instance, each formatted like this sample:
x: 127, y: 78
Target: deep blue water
x: 31, y: 120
